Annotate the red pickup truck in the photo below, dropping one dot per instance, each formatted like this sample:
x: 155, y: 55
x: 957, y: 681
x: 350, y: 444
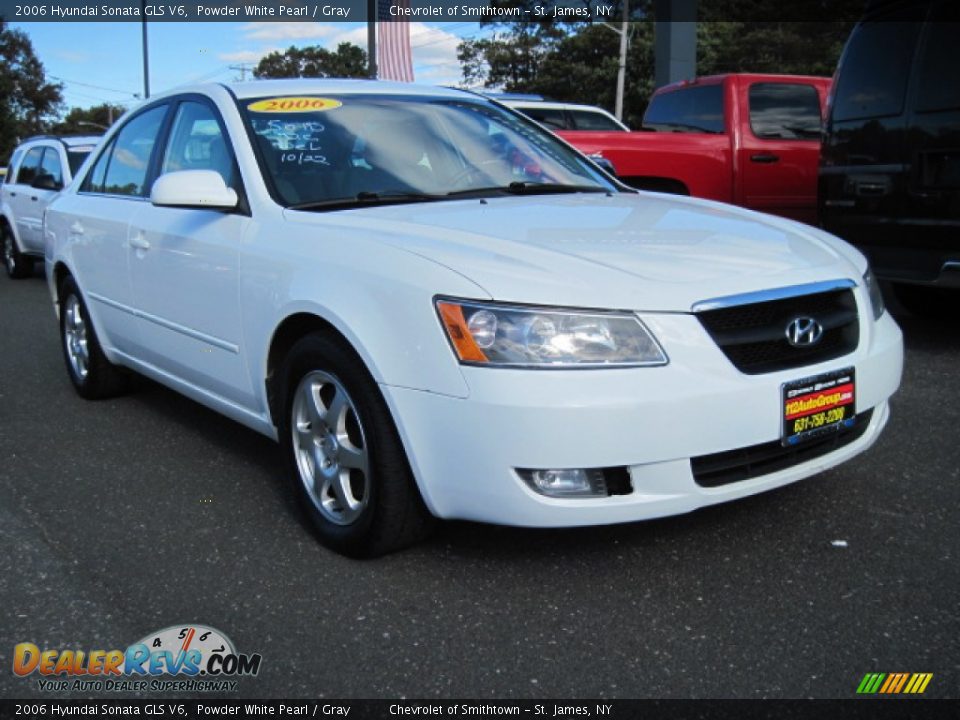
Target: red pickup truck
x: 750, y: 140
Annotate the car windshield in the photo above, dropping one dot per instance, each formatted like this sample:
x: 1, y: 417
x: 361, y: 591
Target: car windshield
x: 348, y: 150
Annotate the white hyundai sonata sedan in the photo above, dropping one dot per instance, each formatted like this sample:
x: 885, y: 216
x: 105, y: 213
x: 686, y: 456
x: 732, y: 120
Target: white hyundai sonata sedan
x: 441, y: 310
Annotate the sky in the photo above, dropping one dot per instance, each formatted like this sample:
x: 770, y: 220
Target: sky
x: 103, y: 62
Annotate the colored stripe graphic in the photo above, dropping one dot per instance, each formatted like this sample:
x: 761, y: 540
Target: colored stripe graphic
x: 894, y: 683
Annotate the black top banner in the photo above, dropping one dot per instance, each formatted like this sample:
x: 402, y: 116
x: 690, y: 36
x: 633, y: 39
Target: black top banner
x: 566, y: 11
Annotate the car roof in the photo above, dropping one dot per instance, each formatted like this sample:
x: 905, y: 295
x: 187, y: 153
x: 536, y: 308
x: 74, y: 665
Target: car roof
x: 68, y: 140
x: 320, y: 86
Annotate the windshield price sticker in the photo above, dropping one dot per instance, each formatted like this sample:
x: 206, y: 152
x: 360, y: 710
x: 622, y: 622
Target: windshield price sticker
x: 293, y: 105
x: 815, y: 406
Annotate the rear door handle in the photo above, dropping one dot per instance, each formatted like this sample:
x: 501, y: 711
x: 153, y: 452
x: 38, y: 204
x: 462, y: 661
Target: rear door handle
x: 13, y: 194
x: 33, y: 197
x: 76, y: 228
x: 138, y: 241
x: 764, y: 158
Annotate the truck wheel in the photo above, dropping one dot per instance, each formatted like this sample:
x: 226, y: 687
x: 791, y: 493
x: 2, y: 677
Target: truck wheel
x: 16, y: 263
x: 343, y: 452
x: 93, y: 376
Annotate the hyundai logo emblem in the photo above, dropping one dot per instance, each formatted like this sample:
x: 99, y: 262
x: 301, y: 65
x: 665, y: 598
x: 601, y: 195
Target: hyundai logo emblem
x: 804, y: 331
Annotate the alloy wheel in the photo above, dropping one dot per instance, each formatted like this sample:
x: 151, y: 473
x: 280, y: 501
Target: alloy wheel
x: 75, y: 337
x: 330, y: 447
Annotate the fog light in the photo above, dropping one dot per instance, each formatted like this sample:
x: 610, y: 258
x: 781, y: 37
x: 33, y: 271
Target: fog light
x: 566, y: 483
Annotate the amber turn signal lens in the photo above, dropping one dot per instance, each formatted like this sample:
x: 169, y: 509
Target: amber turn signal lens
x: 456, y: 326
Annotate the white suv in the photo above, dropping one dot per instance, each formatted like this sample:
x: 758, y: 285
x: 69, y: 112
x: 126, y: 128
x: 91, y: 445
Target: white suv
x: 39, y: 169
x: 439, y: 309
x: 566, y: 116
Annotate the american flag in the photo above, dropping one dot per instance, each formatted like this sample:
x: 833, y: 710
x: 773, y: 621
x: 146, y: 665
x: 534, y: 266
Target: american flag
x: 394, y: 59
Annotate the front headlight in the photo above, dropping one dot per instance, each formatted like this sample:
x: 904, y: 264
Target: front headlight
x: 873, y: 290
x: 498, y: 335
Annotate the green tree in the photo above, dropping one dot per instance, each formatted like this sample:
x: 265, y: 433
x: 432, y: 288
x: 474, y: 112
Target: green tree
x: 798, y: 48
x: 88, y: 121
x: 27, y: 101
x: 348, y: 61
x: 565, y: 60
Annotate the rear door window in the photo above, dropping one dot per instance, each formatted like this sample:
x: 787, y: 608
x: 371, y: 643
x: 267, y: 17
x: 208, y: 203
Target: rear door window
x: 30, y: 166
x: 939, y: 85
x: 50, y: 165
x: 875, y: 67
x: 691, y: 109
x: 788, y: 111
x: 127, y: 166
x: 590, y: 120
x: 547, y: 117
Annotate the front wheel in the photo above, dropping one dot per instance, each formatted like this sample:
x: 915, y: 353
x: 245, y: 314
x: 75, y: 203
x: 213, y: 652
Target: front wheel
x: 93, y: 376
x: 16, y: 263
x: 343, y: 453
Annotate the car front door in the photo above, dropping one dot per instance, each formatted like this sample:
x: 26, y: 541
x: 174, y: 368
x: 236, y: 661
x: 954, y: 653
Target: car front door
x: 99, y: 226
x: 47, y: 183
x: 185, y: 263
x: 19, y: 196
x: 780, y: 148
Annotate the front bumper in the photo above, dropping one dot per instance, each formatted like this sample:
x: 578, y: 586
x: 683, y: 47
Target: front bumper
x: 652, y: 420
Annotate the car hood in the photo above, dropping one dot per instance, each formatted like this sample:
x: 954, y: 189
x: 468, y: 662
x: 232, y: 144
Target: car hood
x: 628, y: 251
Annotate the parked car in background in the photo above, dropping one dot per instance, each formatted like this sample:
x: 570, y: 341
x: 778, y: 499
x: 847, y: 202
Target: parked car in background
x: 39, y: 169
x: 566, y: 116
x: 439, y: 309
x: 749, y: 140
x: 890, y: 170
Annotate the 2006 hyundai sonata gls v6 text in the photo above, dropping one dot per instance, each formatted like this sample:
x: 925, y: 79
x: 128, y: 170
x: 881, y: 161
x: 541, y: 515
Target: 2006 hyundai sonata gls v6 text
x: 440, y: 309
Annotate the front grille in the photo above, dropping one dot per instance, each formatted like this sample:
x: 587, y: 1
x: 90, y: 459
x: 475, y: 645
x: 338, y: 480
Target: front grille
x: 757, y: 460
x: 754, y: 336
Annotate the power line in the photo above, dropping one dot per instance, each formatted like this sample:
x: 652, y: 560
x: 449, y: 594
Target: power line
x: 95, y: 87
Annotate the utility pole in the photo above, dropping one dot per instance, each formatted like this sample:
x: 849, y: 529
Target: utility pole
x: 624, y: 33
x: 622, y: 70
x: 242, y: 67
x: 372, y: 39
x: 146, y: 52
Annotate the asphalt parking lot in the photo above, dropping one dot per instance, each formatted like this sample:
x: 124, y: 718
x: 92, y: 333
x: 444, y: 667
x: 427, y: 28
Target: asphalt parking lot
x: 122, y: 517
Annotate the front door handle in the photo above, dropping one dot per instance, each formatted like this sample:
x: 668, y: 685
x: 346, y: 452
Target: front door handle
x: 33, y: 197
x: 764, y: 158
x: 138, y: 241
x: 76, y: 228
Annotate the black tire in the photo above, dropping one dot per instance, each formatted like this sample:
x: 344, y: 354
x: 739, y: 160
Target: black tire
x: 16, y: 263
x: 102, y: 378
x: 392, y: 514
x: 929, y: 302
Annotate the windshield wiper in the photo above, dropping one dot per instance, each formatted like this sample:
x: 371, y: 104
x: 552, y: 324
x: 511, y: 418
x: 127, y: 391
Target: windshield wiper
x: 518, y: 187
x: 367, y: 197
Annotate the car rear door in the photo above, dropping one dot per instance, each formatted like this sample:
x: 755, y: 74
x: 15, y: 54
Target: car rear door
x: 930, y: 241
x: 779, y: 151
x: 863, y: 163
x: 185, y: 266
x: 97, y: 219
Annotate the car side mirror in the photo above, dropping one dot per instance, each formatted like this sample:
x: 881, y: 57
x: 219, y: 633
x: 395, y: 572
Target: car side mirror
x: 46, y: 181
x: 193, y: 189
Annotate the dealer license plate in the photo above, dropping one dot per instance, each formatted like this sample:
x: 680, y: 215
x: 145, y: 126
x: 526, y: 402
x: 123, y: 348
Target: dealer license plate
x: 818, y: 405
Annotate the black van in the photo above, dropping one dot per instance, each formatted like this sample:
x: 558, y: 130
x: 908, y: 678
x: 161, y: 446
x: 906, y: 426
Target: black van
x: 890, y: 161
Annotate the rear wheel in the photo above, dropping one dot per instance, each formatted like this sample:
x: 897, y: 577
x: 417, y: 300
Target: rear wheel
x: 93, y: 376
x: 343, y: 453
x: 16, y: 263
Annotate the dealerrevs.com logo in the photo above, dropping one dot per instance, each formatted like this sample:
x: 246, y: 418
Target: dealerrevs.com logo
x: 182, y: 658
